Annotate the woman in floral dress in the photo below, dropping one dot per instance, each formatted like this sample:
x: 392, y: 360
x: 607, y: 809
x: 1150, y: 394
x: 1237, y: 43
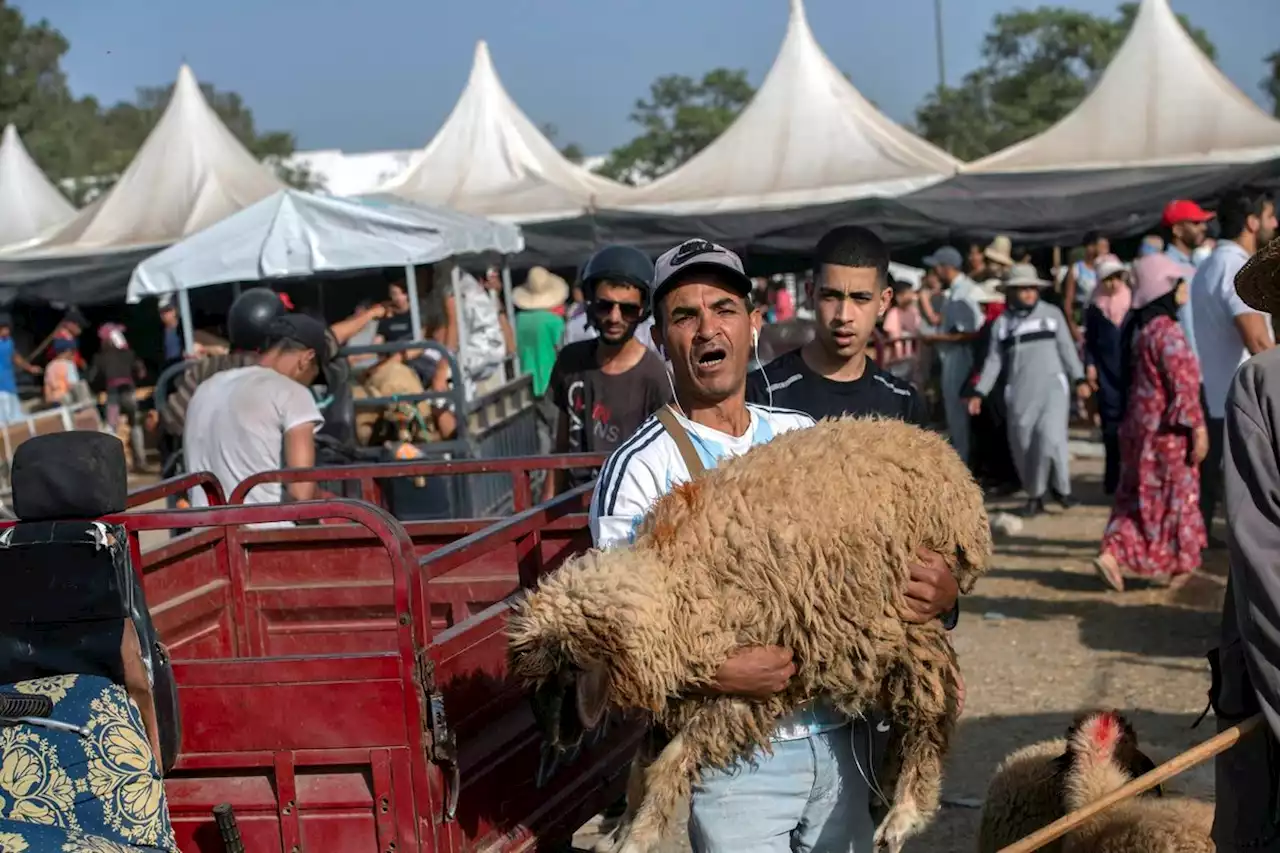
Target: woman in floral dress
x: 1156, y: 532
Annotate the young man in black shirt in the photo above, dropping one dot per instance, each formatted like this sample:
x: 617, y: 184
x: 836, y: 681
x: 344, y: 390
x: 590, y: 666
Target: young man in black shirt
x: 605, y: 387
x: 832, y: 375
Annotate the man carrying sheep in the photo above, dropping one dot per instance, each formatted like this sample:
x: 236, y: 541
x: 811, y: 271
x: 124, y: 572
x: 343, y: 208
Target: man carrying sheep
x: 812, y: 792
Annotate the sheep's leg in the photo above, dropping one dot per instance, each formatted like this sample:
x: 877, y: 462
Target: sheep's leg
x: 635, y: 796
x: 920, y: 691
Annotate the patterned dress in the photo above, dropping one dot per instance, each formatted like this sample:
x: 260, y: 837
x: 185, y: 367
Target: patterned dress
x: 1155, y: 529
x: 95, y: 790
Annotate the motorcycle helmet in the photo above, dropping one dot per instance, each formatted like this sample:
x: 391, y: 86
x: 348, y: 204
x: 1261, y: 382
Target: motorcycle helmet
x: 621, y: 264
x: 250, y: 316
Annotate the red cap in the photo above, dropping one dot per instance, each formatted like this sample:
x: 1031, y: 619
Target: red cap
x: 1182, y: 210
x: 286, y: 301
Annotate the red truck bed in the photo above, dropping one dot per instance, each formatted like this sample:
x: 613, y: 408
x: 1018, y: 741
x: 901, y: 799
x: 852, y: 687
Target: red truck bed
x: 343, y: 686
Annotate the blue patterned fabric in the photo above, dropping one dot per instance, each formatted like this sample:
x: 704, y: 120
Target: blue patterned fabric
x: 94, y: 791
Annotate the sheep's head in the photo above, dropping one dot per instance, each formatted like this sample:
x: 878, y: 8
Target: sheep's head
x: 1102, y: 755
x: 581, y: 639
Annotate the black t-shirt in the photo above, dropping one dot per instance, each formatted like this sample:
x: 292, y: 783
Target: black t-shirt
x: 603, y: 410
x: 796, y: 386
x: 396, y: 327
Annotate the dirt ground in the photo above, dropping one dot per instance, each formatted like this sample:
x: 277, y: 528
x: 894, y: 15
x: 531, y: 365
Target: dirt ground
x: 1041, y: 639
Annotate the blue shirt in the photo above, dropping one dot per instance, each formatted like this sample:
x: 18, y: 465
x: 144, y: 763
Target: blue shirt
x: 1185, y: 318
x: 172, y: 345
x: 8, y: 382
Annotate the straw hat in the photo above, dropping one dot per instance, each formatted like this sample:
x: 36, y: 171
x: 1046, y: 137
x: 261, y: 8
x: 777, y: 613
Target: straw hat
x: 1023, y: 275
x: 541, y: 291
x: 1000, y: 251
x: 1259, y: 280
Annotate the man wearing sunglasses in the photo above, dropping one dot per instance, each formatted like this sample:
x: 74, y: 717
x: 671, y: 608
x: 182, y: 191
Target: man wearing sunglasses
x: 603, y: 388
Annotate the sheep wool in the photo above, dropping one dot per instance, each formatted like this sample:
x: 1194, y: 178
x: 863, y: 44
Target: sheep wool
x: 803, y: 542
x: 1099, y: 751
x: 1025, y: 794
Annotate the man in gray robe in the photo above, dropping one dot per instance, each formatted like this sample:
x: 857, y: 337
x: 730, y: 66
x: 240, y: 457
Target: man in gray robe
x: 1032, y: 346
x: 1248, y: 775
x: 962, y: 318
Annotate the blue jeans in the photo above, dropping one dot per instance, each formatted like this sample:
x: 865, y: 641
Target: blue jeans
x: 10, y: 407
x: 808, y: 797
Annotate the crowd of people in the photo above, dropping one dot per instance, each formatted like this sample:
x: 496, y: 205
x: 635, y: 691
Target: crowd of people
x: 1144, y: 352
x: 659, y: 365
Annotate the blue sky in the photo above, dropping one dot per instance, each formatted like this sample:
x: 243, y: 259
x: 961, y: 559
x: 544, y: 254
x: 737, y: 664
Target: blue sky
x: 370, y: 74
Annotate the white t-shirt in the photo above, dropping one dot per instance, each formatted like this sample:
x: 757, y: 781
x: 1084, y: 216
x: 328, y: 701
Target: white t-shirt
x: 648, y: 465
x: 235, y: 428
x: 1215, y: 306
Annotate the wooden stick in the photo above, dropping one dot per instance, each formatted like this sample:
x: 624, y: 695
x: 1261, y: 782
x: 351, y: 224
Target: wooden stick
x: 1184, y: 761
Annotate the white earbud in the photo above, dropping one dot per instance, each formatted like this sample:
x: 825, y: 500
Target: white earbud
x: 755, y: 339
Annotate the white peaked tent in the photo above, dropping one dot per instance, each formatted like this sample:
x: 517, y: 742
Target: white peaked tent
x: 29, y: 204
x: 1160, y: 102
x: 807, y: 137
x: 189, y: 173
x: 489, y: 158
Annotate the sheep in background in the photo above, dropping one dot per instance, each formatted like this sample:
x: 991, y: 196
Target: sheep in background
x: 1025, y: 794
x: 802, y: 542
x: 1102, y: 755
x: 1040, y: 783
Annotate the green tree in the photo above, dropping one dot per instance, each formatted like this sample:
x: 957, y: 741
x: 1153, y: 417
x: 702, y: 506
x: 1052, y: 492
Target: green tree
x: 1037, y: 65
x: 55, y: 127
x: 680, y: 118
x: 1271, y: 85
x: 571, y: 151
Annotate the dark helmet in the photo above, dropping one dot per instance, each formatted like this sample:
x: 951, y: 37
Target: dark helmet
x: 250, y: 316
x: 621, y: 264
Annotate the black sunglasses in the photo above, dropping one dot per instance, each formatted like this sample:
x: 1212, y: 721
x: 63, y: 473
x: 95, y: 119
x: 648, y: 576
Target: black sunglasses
x: 629, y: 310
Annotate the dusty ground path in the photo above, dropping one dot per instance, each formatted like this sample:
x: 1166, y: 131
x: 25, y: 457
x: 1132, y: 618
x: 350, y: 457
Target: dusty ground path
x: 1040, y: 639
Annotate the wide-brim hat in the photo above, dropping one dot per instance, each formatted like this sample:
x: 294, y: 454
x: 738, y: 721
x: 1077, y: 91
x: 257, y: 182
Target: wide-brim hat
x: 1023, y: 275
x: 541, y: 291
x: 1000, y: 251
x: 1258, y: 281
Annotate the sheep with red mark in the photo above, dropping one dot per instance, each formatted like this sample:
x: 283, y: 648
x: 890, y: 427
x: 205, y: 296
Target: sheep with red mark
x: 1038, y: 784
x: 743, y: 556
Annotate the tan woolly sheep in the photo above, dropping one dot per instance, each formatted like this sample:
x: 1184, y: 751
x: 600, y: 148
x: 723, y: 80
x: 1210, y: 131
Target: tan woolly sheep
x: 1027, y: 791
x: 1024, y: 795
x: 1100, y: 749
x: 803, y: 542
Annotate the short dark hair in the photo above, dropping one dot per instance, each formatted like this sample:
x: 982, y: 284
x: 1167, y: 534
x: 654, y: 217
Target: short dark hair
x: 1235, y: 208
x: 853, y: 246
x: 1091, y: 237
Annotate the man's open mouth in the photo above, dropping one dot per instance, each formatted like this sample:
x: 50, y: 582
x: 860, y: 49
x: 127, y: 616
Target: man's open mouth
x: 711, y: 357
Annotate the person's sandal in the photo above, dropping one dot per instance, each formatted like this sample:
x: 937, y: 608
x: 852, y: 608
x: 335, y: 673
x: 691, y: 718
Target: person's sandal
x: 1109, y: 570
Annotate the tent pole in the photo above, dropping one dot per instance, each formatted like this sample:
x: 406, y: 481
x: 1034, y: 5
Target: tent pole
x: 511, y: 313
x: 460, y: 318
x: 415, y: 313
x: 184, y: 312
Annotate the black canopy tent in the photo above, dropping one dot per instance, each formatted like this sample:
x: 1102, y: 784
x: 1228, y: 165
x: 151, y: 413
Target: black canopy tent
x: 1037, y: 210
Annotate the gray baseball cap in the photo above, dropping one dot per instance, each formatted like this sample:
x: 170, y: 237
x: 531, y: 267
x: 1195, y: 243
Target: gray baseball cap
x: 698, y: 254
x: 945, y: 257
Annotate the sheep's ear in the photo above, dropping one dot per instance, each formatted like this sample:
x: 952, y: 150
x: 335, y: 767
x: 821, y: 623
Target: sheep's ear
x: 592, y: 695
